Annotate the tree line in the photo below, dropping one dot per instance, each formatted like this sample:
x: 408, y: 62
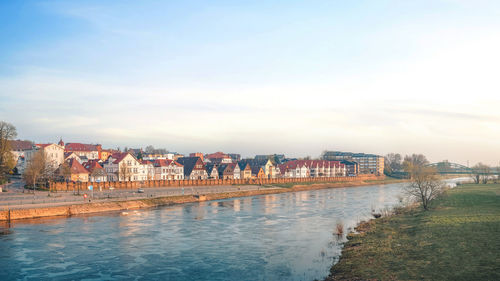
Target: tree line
x: 396, y: 165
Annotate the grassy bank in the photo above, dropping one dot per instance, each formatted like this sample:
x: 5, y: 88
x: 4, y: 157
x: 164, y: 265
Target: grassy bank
x: 459, y: 239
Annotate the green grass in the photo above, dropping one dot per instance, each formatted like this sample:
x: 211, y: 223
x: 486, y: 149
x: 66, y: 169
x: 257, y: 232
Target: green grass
x: 458, y: 239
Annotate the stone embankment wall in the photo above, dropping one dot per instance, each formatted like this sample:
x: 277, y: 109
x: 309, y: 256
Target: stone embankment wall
x: 70, y: 186
x: 69, y: 210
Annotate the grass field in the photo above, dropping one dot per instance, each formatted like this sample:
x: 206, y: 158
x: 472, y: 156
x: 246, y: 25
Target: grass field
x: 458, y: 239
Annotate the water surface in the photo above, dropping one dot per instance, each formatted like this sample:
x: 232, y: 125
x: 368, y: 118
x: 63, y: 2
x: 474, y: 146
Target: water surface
x: 288, y: 236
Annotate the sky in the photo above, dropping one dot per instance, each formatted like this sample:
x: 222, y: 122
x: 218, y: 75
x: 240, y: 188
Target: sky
x: 257, y: 77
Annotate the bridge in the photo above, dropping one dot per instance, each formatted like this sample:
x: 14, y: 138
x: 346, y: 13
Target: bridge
x: 446, y: 167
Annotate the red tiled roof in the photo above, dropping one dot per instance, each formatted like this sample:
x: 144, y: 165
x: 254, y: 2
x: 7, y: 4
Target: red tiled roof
x: 165, y: 162
x: 76, y: 167
x: 19, y: 145
x: 91, y: 165
x: 43, y: 145
x: 119, y: 156
x: 217, y: 155
x: 81, y: 147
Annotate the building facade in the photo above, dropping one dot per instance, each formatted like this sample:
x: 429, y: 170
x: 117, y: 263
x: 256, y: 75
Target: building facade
x: 194, y: 168
x: 90, y: 151
x: 168, y: 170
x: 122, y: 166
x: 367, y: 163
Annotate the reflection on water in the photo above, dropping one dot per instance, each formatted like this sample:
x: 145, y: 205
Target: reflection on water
x: 289, y: 236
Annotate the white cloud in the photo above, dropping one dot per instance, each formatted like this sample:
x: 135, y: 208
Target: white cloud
x: 438, y: 95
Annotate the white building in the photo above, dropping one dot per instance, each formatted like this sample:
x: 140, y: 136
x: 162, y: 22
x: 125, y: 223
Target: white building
x: 312, y: 168
x: 168, y: 170
x: 123, y: 166
x: 54, y: 154
x: 89, y: 151
x: 153, y: 157
x: 18, y: 150
x: 146, y: 171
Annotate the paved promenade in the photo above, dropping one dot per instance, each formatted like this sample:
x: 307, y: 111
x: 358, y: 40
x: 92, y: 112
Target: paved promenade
x: 16, y: 199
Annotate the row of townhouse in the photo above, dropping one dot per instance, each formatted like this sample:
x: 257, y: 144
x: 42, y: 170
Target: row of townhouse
x: 312, y: 168
x: 89, y: 162
x: 125, y: 167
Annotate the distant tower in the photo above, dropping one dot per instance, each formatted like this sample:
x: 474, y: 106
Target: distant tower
x: 61, y: 143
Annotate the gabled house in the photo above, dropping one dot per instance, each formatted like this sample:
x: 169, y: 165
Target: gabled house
x: 194, y: 168
x: 54, y: 154
x: 226, y: 171
x: 258, y: 172
x: 236, y: 171
x: 122, y: 166
x: 212, y: 171
x: 266, y: 165
x: 96, y: 171
x: 245, y: 170
x: 168, y: 170
x: 72, y: 155
x: 294, y: 170
x: 78, y: 173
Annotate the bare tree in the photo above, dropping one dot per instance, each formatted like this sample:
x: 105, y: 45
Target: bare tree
x: 125, y: 172
x: 7, y: 162
x: 64, y: 171
x: 425, y: 186
x: 149, y: 149
x: 98, y: 173
x: 35, y: 168
x: 480, y: 173
x: 392, y: 163
x: 150, y: 172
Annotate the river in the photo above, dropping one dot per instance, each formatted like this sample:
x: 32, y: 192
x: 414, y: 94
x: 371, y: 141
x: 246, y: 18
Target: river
x: 288, y: 236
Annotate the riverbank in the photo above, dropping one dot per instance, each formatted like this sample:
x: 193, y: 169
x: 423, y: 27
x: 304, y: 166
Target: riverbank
x: 458, y: 239
x: 98, y: 207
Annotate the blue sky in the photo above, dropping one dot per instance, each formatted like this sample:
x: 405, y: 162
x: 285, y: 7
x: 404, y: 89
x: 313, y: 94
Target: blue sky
x: 293, y: 77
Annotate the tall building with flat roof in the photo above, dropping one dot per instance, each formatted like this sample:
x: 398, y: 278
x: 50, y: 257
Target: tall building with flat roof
x: 368, y: 163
